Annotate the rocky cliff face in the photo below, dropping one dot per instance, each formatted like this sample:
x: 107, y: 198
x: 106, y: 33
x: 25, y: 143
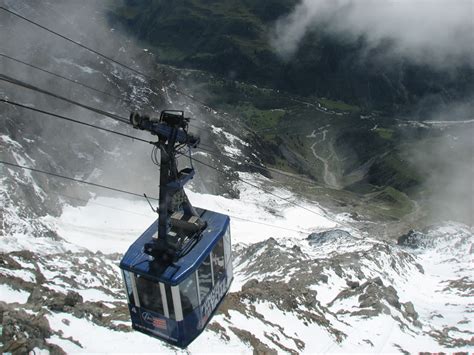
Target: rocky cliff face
x: 334, y: 290
x: 351, y: 288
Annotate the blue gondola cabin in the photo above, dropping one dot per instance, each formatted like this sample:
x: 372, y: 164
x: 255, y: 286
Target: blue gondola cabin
x: 174, y: 303
x: 179, y: 270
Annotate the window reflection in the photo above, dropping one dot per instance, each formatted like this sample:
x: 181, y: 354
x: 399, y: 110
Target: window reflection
x: 205, y: 278
x: 189, y: 295
x: 149, y: 294
x: 218, y: 260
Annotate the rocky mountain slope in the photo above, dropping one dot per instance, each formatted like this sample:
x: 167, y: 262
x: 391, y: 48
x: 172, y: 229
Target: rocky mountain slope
x: 329, y: 291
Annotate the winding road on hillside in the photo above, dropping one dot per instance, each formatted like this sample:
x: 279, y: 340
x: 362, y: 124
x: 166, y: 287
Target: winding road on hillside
x: 328, y: 177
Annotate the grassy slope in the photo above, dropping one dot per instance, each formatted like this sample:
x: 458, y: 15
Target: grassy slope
x: 283, y: 124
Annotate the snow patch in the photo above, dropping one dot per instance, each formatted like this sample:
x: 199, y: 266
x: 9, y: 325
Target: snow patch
x: 9, y: 295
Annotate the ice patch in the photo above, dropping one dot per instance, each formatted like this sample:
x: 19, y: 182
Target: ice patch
x: 94, y: 295
x: 231, y: 147
x: 9, y: 295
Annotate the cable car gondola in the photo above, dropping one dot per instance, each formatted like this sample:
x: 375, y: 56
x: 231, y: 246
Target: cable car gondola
x: 179, y: 270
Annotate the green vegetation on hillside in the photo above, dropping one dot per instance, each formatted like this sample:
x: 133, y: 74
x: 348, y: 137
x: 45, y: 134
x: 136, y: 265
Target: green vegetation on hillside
x: 396, y: 171
x: 263, y: 121
x: 231, y: 38
x: 285, y: 124
x: 391, y: 203
x: 337, y: 105
x: 385, y: 133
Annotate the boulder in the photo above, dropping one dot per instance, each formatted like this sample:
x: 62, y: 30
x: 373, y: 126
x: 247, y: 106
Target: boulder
x: 72, y: 298
x: 328, y: 236
x: 250, y: 284
x: 352, y: 284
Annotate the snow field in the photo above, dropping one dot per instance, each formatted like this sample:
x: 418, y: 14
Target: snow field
x: 110, y: 225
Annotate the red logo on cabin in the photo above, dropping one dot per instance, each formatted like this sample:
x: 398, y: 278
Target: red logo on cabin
x: 159, y: 323
x: 156, y: 322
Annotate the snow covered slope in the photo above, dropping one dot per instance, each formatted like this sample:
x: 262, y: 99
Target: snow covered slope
x: 329, y: 291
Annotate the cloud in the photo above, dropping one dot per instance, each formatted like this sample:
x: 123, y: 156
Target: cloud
x: 447, y: 164
x: 437, y: 32
x: 77, y: 150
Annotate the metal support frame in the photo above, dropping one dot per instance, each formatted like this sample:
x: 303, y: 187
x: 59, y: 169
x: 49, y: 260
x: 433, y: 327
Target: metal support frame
x: 134, y: 288
x: 164, y: 300
x: 178, y: 309
x: 172, y: 132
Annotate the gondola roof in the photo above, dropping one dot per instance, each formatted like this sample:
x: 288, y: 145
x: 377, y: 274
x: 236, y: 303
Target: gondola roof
x: 135, y: 260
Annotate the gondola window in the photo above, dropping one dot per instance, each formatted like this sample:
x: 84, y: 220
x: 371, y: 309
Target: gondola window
x: 189, y: 294
x: 218, y: 261
x: 205, y: 278
x: 150, y: 295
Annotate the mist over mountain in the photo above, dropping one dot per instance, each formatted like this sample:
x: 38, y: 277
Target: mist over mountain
x: 371, y: 53
x: 397, y: 23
